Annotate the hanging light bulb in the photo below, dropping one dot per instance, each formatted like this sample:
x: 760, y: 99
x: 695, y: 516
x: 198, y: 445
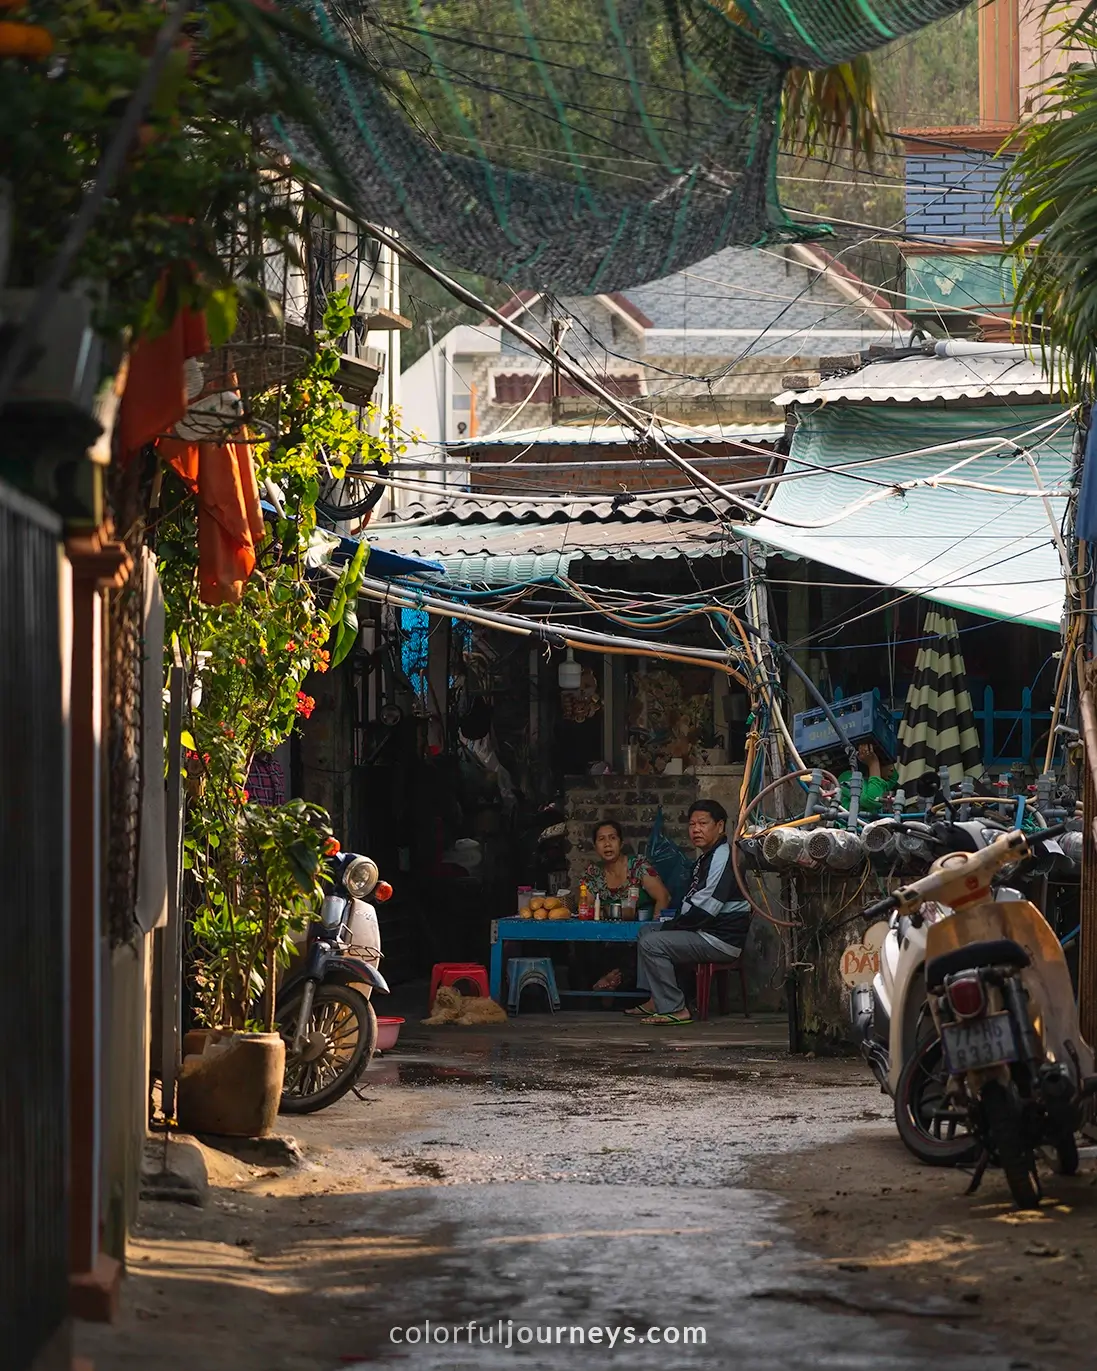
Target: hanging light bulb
x: 570, y: 673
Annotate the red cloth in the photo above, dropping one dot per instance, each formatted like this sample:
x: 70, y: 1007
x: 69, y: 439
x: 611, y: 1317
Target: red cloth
x: 230, y: 521
x: 155, y: 398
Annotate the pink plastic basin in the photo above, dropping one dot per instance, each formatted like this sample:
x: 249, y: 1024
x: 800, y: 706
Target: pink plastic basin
x: 388, y: 1031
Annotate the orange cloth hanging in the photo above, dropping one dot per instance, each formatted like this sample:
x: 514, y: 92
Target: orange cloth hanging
x: 230, y: 521
x: 155, y: 398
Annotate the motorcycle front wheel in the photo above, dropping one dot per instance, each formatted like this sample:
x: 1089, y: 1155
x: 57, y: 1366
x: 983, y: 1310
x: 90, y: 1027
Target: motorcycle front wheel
x: 339, y: 1042
x: 933, y: 1133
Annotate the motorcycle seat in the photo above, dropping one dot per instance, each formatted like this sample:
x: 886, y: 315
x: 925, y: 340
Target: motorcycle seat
x: 993, y: 952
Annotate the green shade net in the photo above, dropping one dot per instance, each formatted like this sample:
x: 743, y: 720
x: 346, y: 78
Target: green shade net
x: 580, y: 145
x: 818, y: 33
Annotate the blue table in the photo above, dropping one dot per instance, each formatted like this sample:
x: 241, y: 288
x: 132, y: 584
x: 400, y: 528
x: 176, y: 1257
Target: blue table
x: 557, y: 931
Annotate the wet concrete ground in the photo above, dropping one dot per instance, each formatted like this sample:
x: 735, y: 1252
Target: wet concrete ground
x: 577, y: 1175
x: 597, y: 1179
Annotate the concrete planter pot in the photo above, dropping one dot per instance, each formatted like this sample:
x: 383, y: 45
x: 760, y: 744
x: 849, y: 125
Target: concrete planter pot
x: 195, y: 1040
x: 234, y: 1086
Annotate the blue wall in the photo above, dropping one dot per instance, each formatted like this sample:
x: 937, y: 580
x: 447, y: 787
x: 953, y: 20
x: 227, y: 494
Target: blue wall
x: 951, y: 194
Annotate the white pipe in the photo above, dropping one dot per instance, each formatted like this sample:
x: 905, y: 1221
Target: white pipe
x: 967, y: 347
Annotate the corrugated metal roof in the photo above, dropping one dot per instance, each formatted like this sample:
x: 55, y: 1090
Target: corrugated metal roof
x: 503, y: 554
x: 1002, y: 372
x: 598, y: 433
x: 492, y: 509
x: 972, y: 549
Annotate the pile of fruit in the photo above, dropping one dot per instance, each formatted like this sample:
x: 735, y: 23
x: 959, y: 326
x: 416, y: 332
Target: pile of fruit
x: 545, y: 907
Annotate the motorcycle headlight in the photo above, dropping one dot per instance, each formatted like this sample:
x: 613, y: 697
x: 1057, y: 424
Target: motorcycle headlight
x: 360, y: 877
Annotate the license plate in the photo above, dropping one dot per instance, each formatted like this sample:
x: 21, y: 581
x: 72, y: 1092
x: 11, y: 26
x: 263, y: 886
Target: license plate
x: 979, y: 1042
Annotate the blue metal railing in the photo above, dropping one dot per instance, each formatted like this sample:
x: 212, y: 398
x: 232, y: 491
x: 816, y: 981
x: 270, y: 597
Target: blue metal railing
x: 1023, y: 728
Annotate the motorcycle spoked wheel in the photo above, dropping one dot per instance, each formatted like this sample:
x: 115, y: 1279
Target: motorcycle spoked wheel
x: 342, y: 1029
x: 1001, y: 1110
x: 919, y: 1094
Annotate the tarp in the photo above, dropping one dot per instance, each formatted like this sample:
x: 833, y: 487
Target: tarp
x: 992, y: 553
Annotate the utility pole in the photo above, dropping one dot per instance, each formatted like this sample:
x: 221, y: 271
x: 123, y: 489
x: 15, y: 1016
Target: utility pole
x: 557, y: 334
x: 1078, y: 645
x: 754, y: 567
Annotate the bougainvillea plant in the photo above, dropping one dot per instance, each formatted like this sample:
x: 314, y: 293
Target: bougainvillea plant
x: 258, y: 869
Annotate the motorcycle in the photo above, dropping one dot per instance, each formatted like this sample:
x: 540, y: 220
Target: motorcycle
x: 324, y: 1008
x: 1017, y: 1070
x: 891, y: 1019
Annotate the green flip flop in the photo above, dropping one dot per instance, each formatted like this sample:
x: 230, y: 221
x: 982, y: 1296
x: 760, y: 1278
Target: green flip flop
x: 666, y: 1019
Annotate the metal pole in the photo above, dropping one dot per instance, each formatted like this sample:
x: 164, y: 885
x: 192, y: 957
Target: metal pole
x: 557, y: 334
x: 1079, y: 602
x: 1087, y: 945
x: 172, y: 965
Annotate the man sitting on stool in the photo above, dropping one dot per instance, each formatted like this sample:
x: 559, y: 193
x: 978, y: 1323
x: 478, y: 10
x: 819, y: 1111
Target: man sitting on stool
x: 711, y: 926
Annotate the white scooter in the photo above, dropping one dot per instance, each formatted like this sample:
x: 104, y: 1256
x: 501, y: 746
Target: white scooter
x: 324, y: 1009
x: 891, y: 1019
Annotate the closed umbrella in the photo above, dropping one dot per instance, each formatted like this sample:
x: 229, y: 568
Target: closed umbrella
x: 938, y: 724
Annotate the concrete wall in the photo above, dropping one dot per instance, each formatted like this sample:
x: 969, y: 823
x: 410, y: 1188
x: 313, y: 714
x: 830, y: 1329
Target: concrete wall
x: 127, y: 1090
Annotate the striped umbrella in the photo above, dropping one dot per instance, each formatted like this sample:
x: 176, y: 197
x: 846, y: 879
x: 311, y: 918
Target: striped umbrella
x: 938, y: 724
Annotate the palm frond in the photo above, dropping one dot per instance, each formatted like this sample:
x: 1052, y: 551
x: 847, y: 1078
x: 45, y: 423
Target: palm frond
x: 832, y: 109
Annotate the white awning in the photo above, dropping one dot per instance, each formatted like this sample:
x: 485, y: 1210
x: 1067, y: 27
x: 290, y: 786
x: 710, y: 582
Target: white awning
x: 961, y: 545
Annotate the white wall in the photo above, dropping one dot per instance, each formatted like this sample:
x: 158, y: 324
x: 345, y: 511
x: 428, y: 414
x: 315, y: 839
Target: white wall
x: 433, y: 382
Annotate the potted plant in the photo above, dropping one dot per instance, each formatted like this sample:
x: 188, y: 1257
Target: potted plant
x: 254, y: 869
x: 261, y: 886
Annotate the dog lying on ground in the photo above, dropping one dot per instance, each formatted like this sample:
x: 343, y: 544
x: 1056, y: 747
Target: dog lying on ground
x: 450, y: 1006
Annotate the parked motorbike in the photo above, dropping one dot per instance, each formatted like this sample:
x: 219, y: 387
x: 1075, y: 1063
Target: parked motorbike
x: 1016, y: 1067
x: 324, y: 1010
x: 891, y: 1018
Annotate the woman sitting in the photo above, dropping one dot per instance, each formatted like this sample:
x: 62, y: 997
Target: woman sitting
x: 611, y: 876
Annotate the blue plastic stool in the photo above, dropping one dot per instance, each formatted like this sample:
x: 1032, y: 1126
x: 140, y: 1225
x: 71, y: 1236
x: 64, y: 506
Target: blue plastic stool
x: 527, y: 971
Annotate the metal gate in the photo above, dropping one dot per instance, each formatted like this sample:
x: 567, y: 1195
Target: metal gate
x: 33, y: 983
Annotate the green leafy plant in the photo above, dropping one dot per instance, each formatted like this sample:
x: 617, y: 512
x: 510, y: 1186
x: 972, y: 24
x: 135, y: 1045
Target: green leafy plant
x: 261, y: 885
x: 200, y: 175
x: 248, y: 667
x: 1048, y: 193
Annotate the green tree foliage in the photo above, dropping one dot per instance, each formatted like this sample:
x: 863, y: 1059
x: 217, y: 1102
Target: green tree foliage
x: 257, y: 870
x: 1049, y: 194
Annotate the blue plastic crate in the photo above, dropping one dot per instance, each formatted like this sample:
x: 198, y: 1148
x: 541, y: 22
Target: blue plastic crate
x: 862, y: 717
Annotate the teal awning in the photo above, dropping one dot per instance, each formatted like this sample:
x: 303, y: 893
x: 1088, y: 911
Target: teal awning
x: 974, y: 549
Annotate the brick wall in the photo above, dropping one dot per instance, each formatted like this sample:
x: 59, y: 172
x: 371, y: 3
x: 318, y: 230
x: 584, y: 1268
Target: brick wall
x: 599, y: 470
x: 951, y: 194
x: 633, y: 801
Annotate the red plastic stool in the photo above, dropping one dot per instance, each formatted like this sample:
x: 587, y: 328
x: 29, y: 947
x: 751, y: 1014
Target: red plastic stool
x: 721, y: 970
x: 451, y: 973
